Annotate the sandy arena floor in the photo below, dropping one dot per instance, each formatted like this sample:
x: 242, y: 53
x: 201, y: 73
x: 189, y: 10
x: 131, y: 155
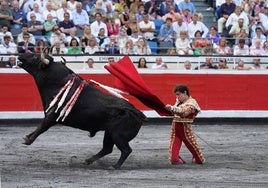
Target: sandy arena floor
x: 236, y: 156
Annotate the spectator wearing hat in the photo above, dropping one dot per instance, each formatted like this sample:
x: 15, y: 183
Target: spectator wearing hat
x: 25, y: 46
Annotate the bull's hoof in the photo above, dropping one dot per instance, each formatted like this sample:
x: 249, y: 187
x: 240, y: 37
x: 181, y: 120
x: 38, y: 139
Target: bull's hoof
x: 89, y: 161
x: 27, y: 141
x: 116, y: 167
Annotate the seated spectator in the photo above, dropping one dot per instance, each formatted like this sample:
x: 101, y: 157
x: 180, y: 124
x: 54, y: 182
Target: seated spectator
x: 25, y: 46
x: 234, y: 18
x: 198, y: 43
x: 142, y: 48
x: 26, y: 6
x: 225, y: 10
x: 241, y: 66
x: 112, y: 47
x: 196, y: 25
x: 254, y: 24
x: 165, y: 7
x: 74, y: 47
x: 57, y: 35
x: 112, y: 27
x: 119, y: 6
x: 36, y: 28
x: 128, y: 49
x: 187, y: 65
x: 19, y: 17
x: 97, y: 8
x: 92, y: 47
x: 222, y: 48
x: 90, y: 63
x: 135, y: 36
x: 41, y: 4
x: 102, y: 40
x: 142, y: 63
x: 140, y: 12
x: 258, y: 36
x: 166, y: 33
x: 6, y: 15
x: 186, y: 4
x: 213, y: 35
x: 71, y: 4
x: 152, y: 8
x: 97, y: 25
x: 24, y: 30
x: 242, y: 35
x: 62, y: 10
x: 257, y: 64
x: 67, y: 25
x: 48, y: 27
x: 57, y: 49
x: 208, y: 48
x: 85, y: 37
x: 207, y: 65
x: 125, y: 16
x: 122, y: 38
x: 223, y: 64
x: 171, y: 14
x: 237, y: 27
x: 12, y: 62
x: 241, y: 48
x: 179, y: 26
x: 38, y: 16
x: 183, y: 44
x: 159, y: 64
x: 147, y: 28
x: 80, y: 16
x: 7, y: 47
x: 50, y: 11
x: 131, y: 25
x: 186, y: 16
x: 256, y: 48
x: 71, y: 36
x: 4, y: 32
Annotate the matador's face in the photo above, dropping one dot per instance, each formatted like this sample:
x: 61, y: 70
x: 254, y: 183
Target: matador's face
x: 181, y: 97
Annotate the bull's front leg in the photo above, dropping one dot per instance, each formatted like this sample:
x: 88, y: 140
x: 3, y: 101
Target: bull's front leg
x: 47, y: 122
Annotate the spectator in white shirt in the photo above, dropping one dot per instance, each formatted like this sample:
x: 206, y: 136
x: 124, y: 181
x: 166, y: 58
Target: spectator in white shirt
x: 97, y: 25
x: 60, y: 12
x: 80, y: 17
x: 196, y: 25
x: 37, y: 13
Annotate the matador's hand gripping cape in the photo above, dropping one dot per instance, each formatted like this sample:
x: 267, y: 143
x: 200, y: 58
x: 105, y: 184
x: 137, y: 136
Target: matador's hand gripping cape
x: 128, y: 79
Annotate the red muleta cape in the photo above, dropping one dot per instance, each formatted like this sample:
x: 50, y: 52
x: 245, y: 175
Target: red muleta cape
x: 129, y: 80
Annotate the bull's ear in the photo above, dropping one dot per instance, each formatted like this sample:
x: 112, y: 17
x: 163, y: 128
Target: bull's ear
x: 63, y: 60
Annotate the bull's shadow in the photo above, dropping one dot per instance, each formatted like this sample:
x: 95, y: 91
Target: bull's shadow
x: 71, y: 101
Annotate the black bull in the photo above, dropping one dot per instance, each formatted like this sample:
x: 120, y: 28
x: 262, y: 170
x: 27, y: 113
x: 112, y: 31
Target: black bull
x: 93, y: 110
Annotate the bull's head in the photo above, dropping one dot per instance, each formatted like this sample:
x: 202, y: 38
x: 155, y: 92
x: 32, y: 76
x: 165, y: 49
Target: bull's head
x: 43, y: 68
x: 33, y: 63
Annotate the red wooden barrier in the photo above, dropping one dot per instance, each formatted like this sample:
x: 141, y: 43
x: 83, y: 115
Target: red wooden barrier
x: 18, y: 91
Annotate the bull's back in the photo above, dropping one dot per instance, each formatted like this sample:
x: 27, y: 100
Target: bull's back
x: 99, y: 111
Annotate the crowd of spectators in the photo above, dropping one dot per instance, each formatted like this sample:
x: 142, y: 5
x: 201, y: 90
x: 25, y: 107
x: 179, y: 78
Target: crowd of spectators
x: 129, y: 27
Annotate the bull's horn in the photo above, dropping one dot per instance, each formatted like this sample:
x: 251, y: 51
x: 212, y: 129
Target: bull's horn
x: 43, y: 59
